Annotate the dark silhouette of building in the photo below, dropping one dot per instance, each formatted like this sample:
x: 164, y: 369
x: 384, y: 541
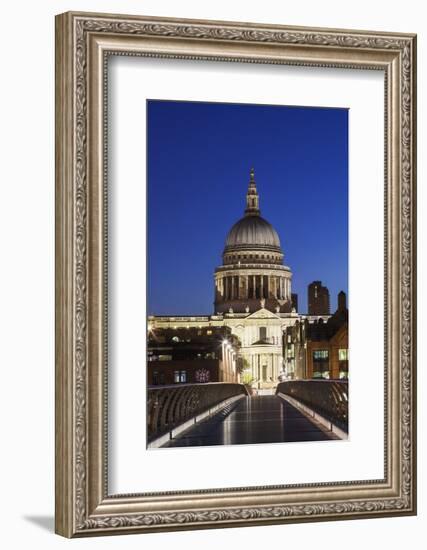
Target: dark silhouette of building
x: 342, y: 301
x: 192, y: 355
x: 318, y: 299
x: 294, y: 301
x: 318, y: 349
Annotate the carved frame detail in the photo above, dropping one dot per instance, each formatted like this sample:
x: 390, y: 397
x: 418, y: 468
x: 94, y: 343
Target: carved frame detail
x: 83, y: 42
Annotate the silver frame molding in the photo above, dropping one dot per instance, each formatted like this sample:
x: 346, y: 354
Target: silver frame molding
x: 83, y: 43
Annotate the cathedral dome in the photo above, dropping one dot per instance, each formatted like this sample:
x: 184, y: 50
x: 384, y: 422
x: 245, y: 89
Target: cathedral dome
x: 252, y: 232
x: 252, y: 274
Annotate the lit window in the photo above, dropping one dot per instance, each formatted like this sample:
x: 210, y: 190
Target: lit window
x: 202, y: 375
x: 208, y: 332
x: 343, y: 354
x: 179, y: 376
x: 321, y: 354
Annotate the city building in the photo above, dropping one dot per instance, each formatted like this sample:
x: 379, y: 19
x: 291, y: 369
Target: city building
x: 318, y: 299
x: 318, y: 349
x: 192, y: 354
x: 252, y: 298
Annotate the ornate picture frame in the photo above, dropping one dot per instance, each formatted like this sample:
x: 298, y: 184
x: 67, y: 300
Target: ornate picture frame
x: 84, y: 506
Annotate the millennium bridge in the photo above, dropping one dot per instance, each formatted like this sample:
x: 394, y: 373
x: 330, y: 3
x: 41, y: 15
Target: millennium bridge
x: 229, y: 413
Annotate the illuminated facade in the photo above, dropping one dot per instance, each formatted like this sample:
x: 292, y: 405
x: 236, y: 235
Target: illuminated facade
x: 319, y: 349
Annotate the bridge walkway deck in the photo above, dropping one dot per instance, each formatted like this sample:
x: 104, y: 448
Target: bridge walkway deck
x: 258, y: 419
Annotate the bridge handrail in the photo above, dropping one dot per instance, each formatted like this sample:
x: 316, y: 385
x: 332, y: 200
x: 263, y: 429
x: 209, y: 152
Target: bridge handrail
x: 170, y: 406
x: 327, y: 397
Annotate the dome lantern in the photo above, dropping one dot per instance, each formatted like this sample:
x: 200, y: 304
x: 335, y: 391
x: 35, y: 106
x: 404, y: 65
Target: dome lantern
x: 252, y: 197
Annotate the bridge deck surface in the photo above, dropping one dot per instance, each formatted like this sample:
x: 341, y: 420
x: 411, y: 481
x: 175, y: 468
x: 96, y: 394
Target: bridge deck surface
x: 258, y: 419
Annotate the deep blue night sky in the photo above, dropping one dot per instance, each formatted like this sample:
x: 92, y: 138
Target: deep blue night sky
x: 199, y: 157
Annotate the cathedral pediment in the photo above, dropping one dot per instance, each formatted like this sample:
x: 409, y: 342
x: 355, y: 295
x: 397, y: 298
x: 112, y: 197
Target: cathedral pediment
x: 263, y: 314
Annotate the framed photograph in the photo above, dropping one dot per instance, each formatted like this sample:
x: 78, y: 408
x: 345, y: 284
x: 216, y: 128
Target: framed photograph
x: 235, y: 274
